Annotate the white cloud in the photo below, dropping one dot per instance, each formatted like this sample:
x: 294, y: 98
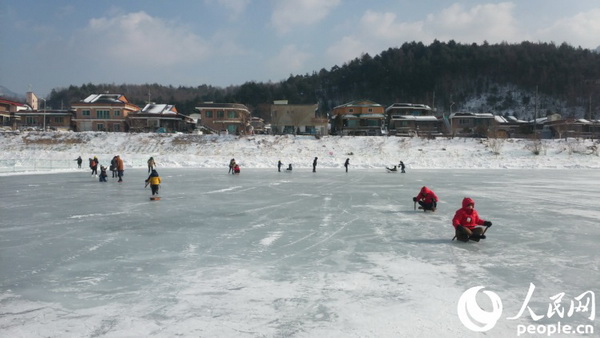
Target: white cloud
x: 236, y: 7
x: 296, y: 13
x: 582, y: 30
x: 487, y: 22
x: 380, y: 30
x: 290, y: 59
x: 142, y: 40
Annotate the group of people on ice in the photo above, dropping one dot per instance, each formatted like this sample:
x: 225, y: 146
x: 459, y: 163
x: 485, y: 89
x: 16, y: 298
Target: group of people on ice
x: 466, y: 221
x: 315, y: 161
x: 234, y: 168
x: 117, y: 167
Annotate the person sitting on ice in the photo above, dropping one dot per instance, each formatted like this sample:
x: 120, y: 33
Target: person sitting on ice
x: 466, y: 221
x: 392, y: 169
x: 236, y: 169
x: 289, y: 168
x: 103, y: 174
x: 427, y: 199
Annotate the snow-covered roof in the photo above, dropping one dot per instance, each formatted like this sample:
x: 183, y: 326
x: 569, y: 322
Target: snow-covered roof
x: 511, y: 118
x: 378, y: 116
x: 500, y: 119
x: 414, y: 118
x: 106, y: 98
x: 153, y: 108
x: 474, y: 115
x: 359, y: 103
x: 408, y: 106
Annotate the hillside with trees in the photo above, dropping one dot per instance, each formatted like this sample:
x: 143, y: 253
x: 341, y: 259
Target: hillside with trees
x: 499, y: 78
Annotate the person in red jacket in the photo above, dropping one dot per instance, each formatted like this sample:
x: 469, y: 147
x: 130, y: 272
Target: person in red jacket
x: 466, y: 221
x: 427, y: 199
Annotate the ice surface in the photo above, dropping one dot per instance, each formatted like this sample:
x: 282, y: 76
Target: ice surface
x: 302, y: 254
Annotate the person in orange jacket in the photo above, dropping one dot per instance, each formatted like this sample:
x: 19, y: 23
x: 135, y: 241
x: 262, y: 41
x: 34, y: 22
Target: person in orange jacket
x: 427, y: 199
x: 120, y: 167
x: 467, y: 222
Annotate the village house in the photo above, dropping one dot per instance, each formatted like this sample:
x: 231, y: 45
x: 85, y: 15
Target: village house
x: 409, y: 119
x: 159, y: 118
x: 259, y: 126
x: 228, y: 118
x: 103, y: 112
x: 473, y: 124
x: 297, y: 119
x: 580, y: 128
x: 362, y: 117
x: 8, y: 109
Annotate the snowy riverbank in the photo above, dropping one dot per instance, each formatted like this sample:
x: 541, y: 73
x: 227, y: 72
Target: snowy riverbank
x: 50, y: 151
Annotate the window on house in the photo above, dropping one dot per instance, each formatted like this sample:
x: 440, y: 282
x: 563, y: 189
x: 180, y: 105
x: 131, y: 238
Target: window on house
x: 58, y: 119
x: 85, y: 112
x: 220, y: 114
x: 31, y: 120
x: 103, y: 114
x: 231, y: 114
x: 116, y: 113
x: 208, y: 114
x: 351, y: 110
x: 100, y: 127
x: 370, y: 110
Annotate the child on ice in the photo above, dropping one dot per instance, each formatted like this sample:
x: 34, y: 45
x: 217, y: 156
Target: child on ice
x: 154, y: 181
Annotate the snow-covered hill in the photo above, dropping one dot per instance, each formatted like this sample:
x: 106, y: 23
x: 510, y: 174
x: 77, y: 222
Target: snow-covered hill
x: 35, y: 151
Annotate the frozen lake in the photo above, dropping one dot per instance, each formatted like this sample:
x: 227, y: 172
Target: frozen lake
x: 268, y: 254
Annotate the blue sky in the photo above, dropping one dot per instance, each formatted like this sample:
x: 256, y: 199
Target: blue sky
x: 54, y: 44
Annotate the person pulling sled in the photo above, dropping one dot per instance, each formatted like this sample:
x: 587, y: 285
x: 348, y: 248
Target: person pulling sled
x: 467, y: 224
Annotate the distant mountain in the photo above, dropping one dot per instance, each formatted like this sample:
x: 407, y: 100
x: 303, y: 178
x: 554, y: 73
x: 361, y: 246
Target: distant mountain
x: 9, y: 94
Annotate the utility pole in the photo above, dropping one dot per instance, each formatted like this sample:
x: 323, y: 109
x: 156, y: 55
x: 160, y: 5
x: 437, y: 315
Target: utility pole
x: 535, y: 114
x: 44, y: 114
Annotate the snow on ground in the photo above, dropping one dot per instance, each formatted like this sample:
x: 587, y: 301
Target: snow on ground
x: 35, y: 151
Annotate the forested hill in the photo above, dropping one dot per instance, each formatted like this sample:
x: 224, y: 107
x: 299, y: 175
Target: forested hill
x: 498, y: 78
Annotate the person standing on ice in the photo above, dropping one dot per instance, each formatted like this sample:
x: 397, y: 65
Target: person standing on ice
x: 427, y: 199
x: 94, y: 166
x: 154, y: 181
x: 279, y: 164
x: 346, y: 164
x: 151, y: 164
x: 120, y: 167
x: 315, y: 164
x: 402, y: 167
x: 113, y: 166
x: 466, y: 221
x: 79, y: 161
x: 231, y: 165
